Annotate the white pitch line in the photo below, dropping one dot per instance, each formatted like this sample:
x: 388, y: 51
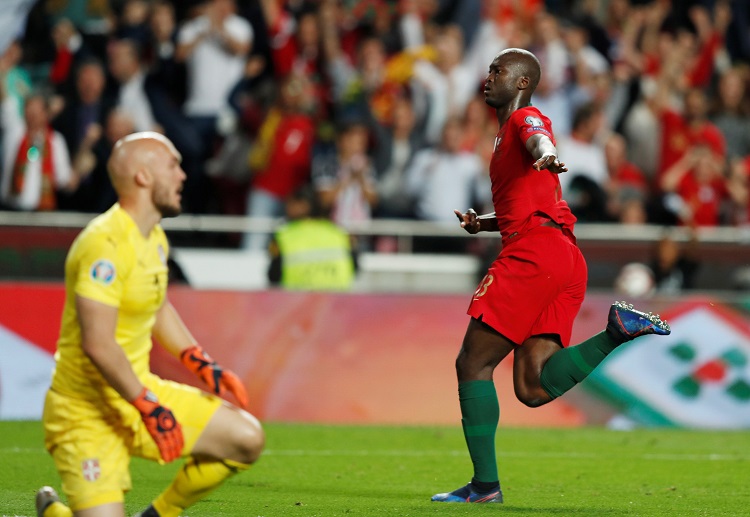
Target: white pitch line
x: 506, y: 454
x: 425, y: 453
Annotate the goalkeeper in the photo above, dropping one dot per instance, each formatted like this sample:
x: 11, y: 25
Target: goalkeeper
x: 104, y: 404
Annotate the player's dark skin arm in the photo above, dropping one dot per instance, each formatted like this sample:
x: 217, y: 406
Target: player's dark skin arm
x: 545, y: 153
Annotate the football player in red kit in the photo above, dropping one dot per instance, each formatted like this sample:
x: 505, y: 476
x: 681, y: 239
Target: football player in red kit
x: 532, y: 292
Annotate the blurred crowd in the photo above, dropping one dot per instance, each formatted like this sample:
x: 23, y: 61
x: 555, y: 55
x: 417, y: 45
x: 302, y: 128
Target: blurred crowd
x: 377, y: 105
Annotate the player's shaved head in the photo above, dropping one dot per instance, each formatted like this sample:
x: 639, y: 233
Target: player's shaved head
x: 132, y: 153
x: 525, y: 64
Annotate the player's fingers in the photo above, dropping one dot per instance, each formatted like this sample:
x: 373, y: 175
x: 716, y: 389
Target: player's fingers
x: 212, y: 379
x: 235, y: 386
x: 174, y: 444
x: 180, y: 440
x: 165, y: 447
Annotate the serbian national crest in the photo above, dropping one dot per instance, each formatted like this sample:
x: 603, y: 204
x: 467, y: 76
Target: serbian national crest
x: 91, y: 469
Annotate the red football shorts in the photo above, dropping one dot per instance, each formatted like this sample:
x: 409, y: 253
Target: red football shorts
x: 535, y: 286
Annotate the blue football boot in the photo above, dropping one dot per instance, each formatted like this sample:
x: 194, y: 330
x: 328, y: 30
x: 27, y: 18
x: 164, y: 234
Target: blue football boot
x: 466, y: 494
x: 625, y: 323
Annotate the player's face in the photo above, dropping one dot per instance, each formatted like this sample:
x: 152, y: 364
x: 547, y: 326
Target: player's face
x: 168, y: 181
x: 500, y: 85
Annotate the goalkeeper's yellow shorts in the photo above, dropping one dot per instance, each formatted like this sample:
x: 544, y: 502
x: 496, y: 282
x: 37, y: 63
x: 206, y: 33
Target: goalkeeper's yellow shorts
x: 91, y: 443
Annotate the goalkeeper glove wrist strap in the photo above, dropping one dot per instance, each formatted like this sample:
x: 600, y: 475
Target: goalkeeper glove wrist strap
x: 146, y: 401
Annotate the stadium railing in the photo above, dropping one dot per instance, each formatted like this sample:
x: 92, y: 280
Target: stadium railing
x: 723, y: 251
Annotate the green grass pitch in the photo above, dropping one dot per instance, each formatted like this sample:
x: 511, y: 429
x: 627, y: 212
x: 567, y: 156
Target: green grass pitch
x: 326, y: 471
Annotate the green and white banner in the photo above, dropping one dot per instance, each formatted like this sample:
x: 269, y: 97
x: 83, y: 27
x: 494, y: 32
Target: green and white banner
x: 698, y: 377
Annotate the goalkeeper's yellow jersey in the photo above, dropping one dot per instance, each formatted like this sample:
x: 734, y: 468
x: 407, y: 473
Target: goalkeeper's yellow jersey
x: 113, y: 263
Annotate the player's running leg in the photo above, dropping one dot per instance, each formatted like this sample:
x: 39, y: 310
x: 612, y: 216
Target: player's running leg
x: 482, y: 350
x: 231, y: 442
x: 569, y: 366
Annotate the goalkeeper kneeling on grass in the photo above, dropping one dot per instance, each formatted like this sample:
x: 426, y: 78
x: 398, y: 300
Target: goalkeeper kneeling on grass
x: 104, y: 405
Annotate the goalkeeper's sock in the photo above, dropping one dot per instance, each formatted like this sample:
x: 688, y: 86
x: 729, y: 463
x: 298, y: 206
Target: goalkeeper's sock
x: 57, y: 509
x: 195, y: 480
x: 480, y: 413
x: 569, y: 366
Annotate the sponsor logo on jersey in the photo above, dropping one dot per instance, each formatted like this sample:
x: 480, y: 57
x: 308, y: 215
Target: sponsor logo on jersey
x: 103, y: 272
x: 162, y: 254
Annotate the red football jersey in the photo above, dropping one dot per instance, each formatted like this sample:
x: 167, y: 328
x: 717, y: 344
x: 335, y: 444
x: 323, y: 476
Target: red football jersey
x: 524, y: 197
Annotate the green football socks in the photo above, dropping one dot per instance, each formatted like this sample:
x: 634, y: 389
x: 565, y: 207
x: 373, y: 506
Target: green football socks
x: 571, y: 365
x: 480, y: 413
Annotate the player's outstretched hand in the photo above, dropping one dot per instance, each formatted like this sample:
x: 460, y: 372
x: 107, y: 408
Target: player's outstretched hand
x: 161, y: 425
x: 218, y: 379
x: 468, y: 220
x: 551, y: 163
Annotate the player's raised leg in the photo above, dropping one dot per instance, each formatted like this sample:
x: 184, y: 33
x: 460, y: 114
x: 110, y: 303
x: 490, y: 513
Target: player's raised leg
x: 571, y: 365
x: 231, y: 442
x: 482, y: 350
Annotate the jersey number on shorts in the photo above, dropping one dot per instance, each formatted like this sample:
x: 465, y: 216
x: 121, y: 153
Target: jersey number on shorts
x: 483, y: 286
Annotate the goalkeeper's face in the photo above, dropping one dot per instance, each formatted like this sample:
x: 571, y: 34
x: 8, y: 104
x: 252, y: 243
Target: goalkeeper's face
x: 168, y: 182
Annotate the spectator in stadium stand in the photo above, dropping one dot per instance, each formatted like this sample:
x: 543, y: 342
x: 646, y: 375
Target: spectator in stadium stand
x: 92, y: 18
x: 626, y: 187
x: 360, y: 89
x: 214, y: 47
x: 170, y: 75
x: 130, y: 83
x: 394, y: 149
x: 295, y: 42
x: 584, y: 186
x: 450, y: 80
x: 281, y: 153
x: 531, y: 294
x: 344, y: 176
x: 695, y: 187
x: 738, y: 183
x: 552, y: 93
x: 445, y: 176
x: 675, y: 264
x: 310, y: 252
x: 682, y: 131
x: 731, y: 112
x: 104, y: 405
x: 95, y: 193
x: 476, y: 121
x: 87, y: 106
x: 36, y: 163
x: 132, y: 23
x: 585, y: 63
x: 16, y: 80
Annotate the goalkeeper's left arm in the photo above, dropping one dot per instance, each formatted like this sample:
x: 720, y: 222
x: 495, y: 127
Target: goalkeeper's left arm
x: 171, y: 333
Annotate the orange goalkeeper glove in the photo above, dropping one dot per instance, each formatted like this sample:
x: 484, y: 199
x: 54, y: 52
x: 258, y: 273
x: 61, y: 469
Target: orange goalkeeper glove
x: 160, y: 424
x: 218, y: 379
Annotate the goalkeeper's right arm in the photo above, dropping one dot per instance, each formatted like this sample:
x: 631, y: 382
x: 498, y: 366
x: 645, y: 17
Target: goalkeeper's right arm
x: 98, y: 323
